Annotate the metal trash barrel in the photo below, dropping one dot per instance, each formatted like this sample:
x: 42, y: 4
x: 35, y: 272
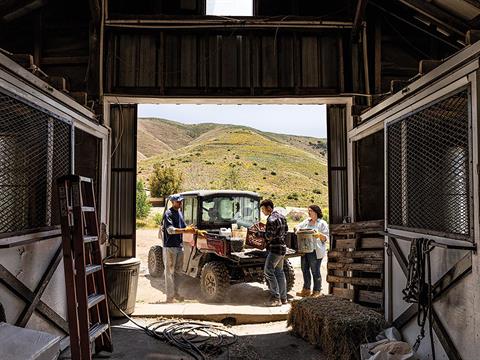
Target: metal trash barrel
x: 121, y: 275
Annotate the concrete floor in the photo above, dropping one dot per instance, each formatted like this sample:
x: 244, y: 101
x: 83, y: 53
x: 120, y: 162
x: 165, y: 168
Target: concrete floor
x: 270, y: 341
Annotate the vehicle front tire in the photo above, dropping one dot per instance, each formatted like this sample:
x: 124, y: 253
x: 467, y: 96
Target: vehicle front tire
x: 156, y: 266
x: 214, y: 281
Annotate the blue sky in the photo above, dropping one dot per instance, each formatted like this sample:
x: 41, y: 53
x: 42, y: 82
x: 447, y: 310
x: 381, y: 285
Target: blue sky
x: 304, y: 120
x: 230, y: 7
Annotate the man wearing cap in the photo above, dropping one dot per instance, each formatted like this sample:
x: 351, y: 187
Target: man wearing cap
x: 174, y: 226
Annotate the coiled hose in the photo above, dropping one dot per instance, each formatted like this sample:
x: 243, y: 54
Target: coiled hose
x: 199, y: 340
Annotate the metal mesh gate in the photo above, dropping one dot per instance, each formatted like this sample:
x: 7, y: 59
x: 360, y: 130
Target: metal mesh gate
x: 429, y: 169
x: 35, y: 149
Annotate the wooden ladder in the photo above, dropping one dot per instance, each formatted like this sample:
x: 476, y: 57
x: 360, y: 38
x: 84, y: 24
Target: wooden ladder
x: 88, y: 317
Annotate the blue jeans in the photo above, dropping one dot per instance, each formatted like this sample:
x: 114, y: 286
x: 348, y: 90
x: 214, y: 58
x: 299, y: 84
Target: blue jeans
x: 311, y: 268
x: 274, y: 275
x: 173, y: 261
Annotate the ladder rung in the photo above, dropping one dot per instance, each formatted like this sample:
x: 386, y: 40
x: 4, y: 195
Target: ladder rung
x: 88, y: 209
x: 94, y: 299
x: 90, y: 269
x: 97, y: 330
x: 88, y: 239
x: 85, y: 179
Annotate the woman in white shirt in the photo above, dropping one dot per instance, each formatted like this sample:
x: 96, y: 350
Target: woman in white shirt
x: 311, y: 261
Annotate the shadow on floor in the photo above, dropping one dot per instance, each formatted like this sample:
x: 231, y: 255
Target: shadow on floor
x: 239, y: 294
x: 133, y: 343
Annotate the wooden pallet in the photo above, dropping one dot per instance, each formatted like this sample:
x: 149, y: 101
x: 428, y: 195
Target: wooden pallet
x: 356, y: 262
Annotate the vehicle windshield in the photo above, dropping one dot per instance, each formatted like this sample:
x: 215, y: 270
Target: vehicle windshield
x: 230, y: 209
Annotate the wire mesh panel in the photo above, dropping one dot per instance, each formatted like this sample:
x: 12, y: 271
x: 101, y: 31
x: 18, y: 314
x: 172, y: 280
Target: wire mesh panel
x: 35, y: 149
x: 429, y: 169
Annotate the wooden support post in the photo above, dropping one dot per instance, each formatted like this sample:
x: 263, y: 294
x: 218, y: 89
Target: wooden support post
x: 378, y: 57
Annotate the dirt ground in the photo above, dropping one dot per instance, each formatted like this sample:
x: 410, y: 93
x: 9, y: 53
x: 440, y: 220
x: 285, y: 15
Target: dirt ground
x: 151, y: 290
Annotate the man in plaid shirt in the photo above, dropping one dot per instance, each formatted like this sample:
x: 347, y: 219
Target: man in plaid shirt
x: 275, y: 233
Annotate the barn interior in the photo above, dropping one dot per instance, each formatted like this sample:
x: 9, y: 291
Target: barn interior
x: 400, y: 80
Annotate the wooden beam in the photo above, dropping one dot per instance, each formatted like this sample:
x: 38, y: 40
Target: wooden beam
x: 406, y: 316
x: 22, y: 8
x: 462, y: 268
x: 378, y: 57
x: 442, y: 334
x: 359, y: 17
x: 372, y: 243
x: 425, y: 66
x: 372, y: 297
x: 359, y: 254
x: 437, y: 15
x: 402, y: 260
x: 47, y: 276
x: 447, y: 281
x: 355, y: 280
x: 376, y: 268
x: 19, y: 289
x: 65, y: 60
x: 360, y: 226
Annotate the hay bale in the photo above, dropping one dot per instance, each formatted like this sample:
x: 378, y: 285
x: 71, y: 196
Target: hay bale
x: 336, y: 325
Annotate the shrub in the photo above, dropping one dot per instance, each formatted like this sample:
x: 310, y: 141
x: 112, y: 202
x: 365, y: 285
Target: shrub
x: 164, y: 182
x: 263, y: 168
x: 273, y: 173
x: 264, y: 178
x: 293, y: 196
x: 317, y: 191
x: 157, y: 219
x: 232, y: 179
x: 325, y: 214
x: 316, y: 173
x: 198, y: 154
x: 324, y: 182
x: 143, y: 206
x: 296, y: 215
x: 237, y: 157
x: 254, y: 164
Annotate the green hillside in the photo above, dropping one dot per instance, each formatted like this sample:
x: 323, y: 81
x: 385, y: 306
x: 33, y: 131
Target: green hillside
x: 290, y: 169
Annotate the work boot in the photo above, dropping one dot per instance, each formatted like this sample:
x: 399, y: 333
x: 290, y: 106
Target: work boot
x: 171, y: 300
x: 284, y: 301
x: 304, y: 293
x: 273, y: 301
x: 316, y: 294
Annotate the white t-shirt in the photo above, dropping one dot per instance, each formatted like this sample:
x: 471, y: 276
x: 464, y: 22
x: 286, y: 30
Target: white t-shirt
x: 322, y: 227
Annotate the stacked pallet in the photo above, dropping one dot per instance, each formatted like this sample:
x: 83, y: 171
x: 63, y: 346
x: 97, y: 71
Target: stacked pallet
x: 356, y: 262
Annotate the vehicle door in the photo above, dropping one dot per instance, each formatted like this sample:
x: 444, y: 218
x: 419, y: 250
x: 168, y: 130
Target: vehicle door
x: 190, y: 218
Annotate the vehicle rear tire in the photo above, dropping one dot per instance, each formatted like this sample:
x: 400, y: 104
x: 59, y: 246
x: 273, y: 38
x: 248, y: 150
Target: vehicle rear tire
x: 156, y: 266
x: 289, y: 274
x: 214, y: 281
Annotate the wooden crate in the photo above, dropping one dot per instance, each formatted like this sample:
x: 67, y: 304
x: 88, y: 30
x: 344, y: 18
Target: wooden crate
x: 356, y: 262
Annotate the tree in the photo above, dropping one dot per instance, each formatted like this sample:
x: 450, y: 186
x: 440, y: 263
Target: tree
x: 164, y: 181
x: 143, y: 206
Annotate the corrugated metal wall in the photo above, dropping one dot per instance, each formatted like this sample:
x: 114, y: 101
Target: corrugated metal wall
x: 123, y: 122
x: 238, y: 62
x: 337, y: 162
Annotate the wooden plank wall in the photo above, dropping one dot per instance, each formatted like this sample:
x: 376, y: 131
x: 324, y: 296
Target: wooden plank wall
x: 237, y: 63
x: 356, y: 263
